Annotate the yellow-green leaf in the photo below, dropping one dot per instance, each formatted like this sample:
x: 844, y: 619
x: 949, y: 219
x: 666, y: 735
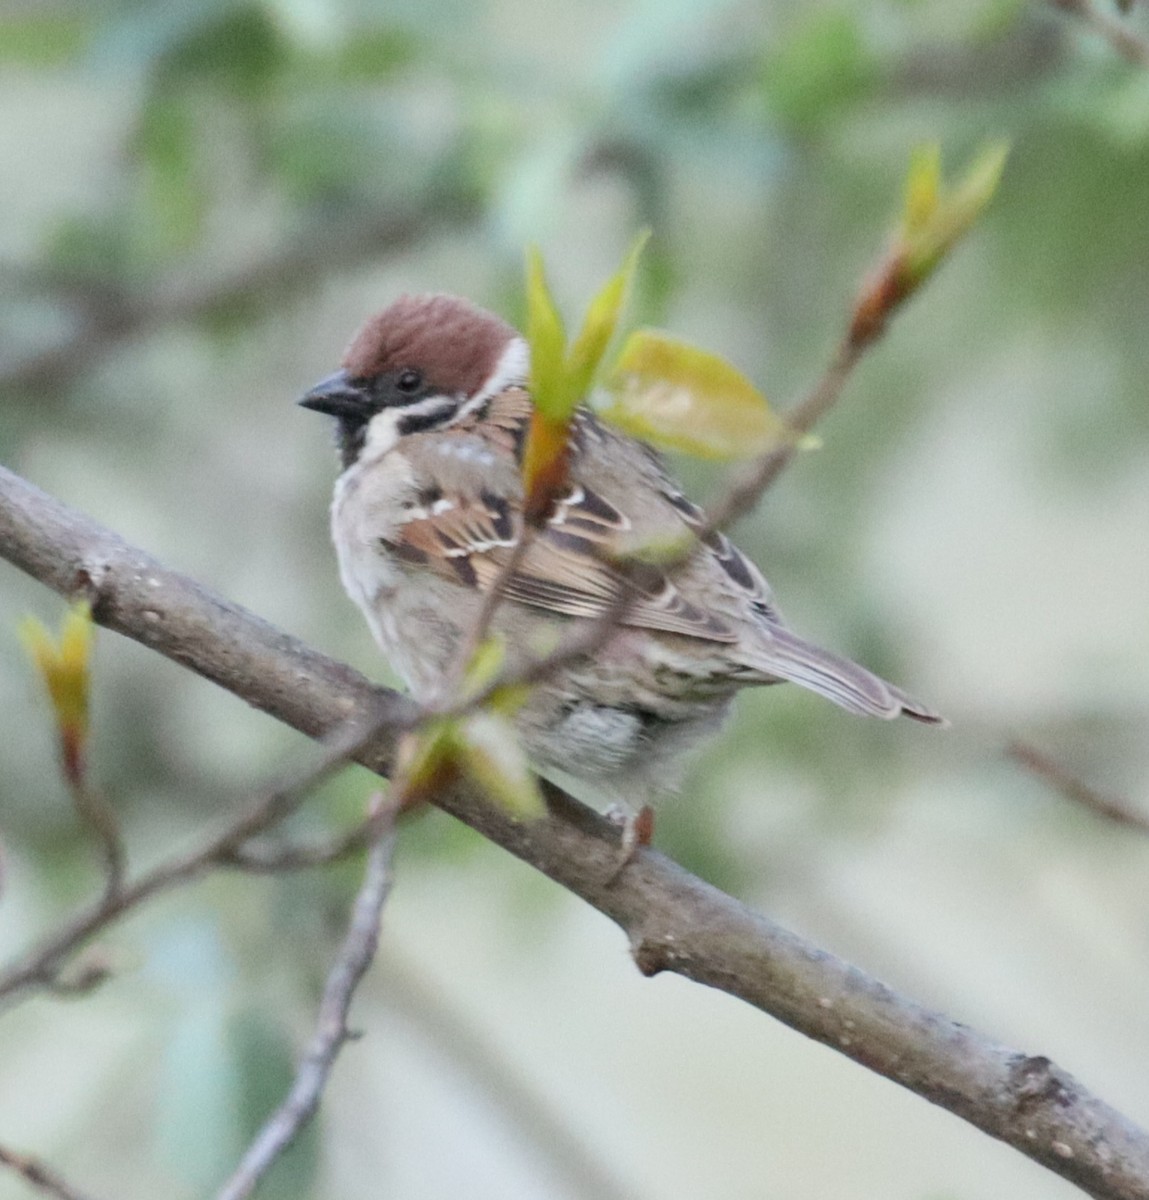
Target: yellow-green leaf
x: 923, y: 187
x: 980, y: 182
x: 489, y: 751
x: 421, y: 755
x: 600, y: 322
x: 679, y: 397
x: 930, y: 229
x: 485, y: 665
x: 933, y: 219
x: 547, y: 341
x: 64, y: 664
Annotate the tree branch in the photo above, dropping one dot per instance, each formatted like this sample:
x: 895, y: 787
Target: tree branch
x: 42, y: 964
x: 674, y: 921
x: 39, y: 1176
x: 1075, y: 789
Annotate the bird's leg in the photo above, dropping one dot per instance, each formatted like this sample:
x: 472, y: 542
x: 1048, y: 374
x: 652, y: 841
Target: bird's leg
x: 636, y: 830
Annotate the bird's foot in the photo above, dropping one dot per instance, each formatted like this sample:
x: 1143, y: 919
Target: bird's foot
x: 636, y: 830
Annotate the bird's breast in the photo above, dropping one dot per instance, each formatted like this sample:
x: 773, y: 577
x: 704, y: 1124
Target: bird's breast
x: 365, y: 513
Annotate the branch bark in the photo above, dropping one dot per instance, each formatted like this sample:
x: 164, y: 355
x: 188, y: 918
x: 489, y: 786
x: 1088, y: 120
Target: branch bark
x: 36, y: 1174
x: 673, y: 920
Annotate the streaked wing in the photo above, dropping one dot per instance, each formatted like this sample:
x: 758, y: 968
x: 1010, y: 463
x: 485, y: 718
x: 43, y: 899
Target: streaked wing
x: 738, y: 568
x: 566, y: 570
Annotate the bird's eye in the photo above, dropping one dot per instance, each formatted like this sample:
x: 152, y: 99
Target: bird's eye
x: 409, y: 382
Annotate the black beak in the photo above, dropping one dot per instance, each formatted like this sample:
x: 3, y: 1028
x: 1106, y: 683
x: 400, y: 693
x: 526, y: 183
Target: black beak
x: 340, y: 396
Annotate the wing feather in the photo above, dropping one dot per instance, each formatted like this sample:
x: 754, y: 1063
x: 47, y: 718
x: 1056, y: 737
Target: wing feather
x: 566, y: 570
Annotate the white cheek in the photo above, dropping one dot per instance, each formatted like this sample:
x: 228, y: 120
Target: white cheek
x: 382, y: 433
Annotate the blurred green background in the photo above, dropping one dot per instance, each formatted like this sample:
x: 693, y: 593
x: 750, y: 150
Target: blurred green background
x: 199, y: 201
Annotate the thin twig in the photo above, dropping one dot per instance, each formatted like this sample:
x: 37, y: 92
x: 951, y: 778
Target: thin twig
x: 39, y: 1176
x: 261, y: 859
x: 1127, y: 42
x: 1076, y: 790
x: 41, y: 965
x: 484, y: 618
x: 99, y: 816
x: 331, y: 1032
x: 745, y: 493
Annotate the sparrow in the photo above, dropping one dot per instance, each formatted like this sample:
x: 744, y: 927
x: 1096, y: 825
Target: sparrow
x: 431, y: 408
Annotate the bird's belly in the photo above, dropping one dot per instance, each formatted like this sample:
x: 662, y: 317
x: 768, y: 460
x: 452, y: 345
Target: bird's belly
x: 625, y: 715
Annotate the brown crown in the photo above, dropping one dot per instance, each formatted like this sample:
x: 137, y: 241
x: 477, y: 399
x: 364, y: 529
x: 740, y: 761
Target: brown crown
x: 455, y: 344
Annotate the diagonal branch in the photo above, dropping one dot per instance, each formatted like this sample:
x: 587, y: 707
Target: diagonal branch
x: 673, y: 920
x: 43, y: 1178
x: 1075, y: 789
x: 43, y: 963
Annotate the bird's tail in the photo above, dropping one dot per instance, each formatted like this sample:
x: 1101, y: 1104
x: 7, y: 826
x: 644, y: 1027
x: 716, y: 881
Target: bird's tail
x: 789, y: 657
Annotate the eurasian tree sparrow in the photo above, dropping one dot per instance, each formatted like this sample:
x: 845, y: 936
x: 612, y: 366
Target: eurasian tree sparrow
x: 432, y: 412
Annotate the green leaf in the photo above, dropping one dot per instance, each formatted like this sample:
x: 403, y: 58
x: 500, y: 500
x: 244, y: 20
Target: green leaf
x: 65, y: 664
x: 679, y: 397
x: 980, y: 183
x: 489, y: 751
x: 600, y: 322
x: 923, y: 187
x: 935, y: 217
x: 485, y: 665
x: 547, y: 341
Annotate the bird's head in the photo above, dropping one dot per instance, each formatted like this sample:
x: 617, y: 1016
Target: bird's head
x: 416, y: 366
